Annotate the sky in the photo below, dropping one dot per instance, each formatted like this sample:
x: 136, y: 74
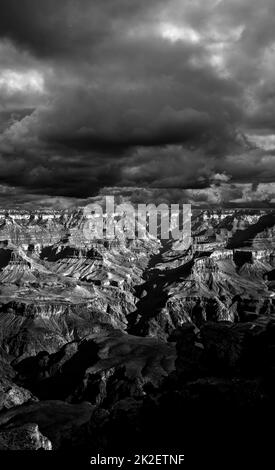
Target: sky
x: 153, y: 100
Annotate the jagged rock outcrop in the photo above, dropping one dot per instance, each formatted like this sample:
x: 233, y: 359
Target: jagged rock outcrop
x: 99, y: 369
x: 26, y: 437
x: 63, y: 424
x: 12, y: 395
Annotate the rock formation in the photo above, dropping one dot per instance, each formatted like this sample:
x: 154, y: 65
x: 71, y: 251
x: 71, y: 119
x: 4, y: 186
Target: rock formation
x: 114, y: 344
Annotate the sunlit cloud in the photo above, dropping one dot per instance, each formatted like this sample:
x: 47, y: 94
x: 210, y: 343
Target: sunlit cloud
x: 12, y: 81
x: 175, y: 33
x: 265, y: 142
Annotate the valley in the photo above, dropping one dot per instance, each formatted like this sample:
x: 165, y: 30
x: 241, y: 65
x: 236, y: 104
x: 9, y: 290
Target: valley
x: 125, y: 334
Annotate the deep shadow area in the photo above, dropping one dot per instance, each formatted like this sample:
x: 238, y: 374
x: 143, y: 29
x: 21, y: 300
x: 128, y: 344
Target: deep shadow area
x: 5, y: 257
x: 242, y: 257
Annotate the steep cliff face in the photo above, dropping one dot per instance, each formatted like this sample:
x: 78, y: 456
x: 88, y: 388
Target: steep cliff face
x: 56, y: 285
x: 259, y: 236
x: 32, y: 230
x: 30, y: 327
x: 62, y: 278
x: 210, y: 287
x: 26, y: 437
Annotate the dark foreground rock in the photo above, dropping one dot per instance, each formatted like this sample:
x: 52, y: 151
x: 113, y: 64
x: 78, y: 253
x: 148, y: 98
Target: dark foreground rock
x: 213, y: 388
x: 26, y: 437
x: 62, y: 423
x: 12, y: 395
x: 99, y: 369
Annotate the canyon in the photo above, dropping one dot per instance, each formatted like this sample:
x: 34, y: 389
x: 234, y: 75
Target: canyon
x: 98, y: 336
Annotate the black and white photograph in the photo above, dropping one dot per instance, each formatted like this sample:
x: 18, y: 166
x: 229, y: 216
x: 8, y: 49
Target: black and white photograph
x: 137, y: 233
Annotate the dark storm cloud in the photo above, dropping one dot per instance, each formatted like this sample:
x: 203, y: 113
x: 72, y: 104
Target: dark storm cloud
x: 66, y: 28
x: 135, y: 93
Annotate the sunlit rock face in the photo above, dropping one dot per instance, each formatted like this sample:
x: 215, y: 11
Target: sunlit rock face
x: 57, y: 285
x: 12, y: 395
x: 216, y: 279
x: 25, y: 437
x: 97, y: 332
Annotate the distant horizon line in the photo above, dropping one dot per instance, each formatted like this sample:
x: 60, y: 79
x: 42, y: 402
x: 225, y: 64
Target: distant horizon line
x: 80, y: 207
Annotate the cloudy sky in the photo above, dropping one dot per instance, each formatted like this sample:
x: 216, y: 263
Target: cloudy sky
x: 145, y: 98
